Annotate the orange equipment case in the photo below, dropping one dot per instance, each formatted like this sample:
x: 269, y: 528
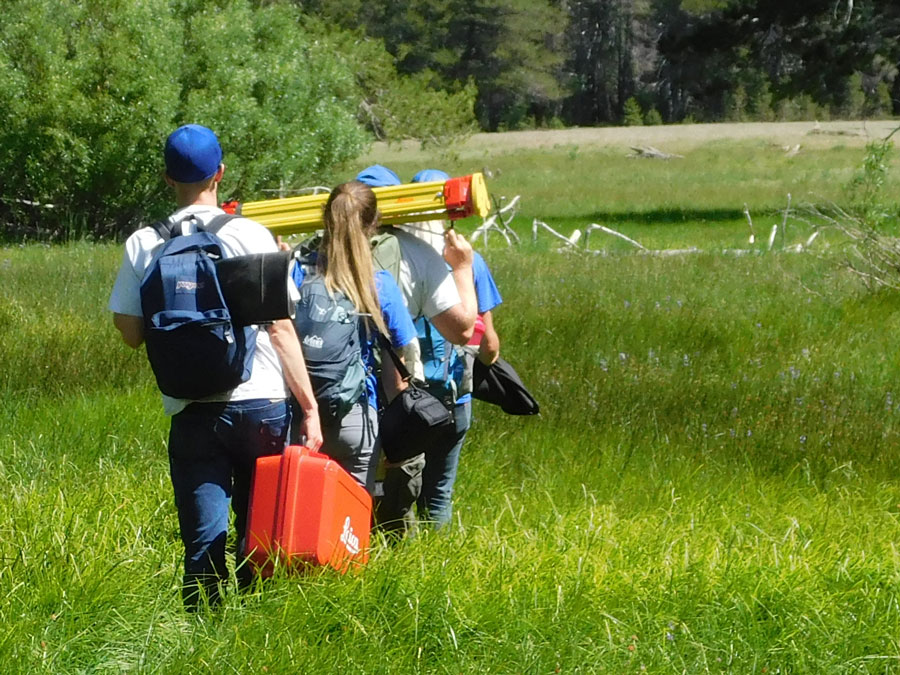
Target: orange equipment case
x: 305, y: 507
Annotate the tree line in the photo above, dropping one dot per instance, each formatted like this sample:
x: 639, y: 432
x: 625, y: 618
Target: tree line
x: 297, y: 88
x: 571, y: 62
x: 89, y: 90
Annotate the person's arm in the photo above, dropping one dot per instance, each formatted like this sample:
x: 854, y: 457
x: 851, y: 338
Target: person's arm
x: 131, y: 328
x: 457, y: 323
x: 287, y: 346
x: 489, y: 348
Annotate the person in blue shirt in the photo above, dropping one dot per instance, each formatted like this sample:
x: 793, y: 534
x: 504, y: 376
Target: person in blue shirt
x: 344, y: 261
x: 448, y: 374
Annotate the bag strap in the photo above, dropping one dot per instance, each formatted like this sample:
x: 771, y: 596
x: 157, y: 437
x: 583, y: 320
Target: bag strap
x: 398, y: 364
x: 307, y: 251
x: 166, y: 229
x: 449, y: 350
x: 217, y: 223
x: 447, y: 345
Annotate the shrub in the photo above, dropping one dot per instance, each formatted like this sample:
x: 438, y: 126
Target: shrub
x: 395, y: 107
x: 284, y: 105
x: 632, y: 115
x: 556, y: 123
x: 879, y: 102
x: 801, y: 108
x: 760, y: 102
x: 653, y: 118
x: 736, y: 104
x: 851, y: 103
x: 91, y: 89
x: 871, y: 249
x: 437, y: 118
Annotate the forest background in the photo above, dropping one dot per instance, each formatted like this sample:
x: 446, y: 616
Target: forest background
x: 298, y: 88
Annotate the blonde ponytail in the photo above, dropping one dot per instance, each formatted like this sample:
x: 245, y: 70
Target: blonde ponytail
x: 345, y: 253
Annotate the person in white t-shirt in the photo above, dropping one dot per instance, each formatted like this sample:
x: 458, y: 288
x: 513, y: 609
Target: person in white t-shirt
x: 214, y: 442
x: 441, y: 289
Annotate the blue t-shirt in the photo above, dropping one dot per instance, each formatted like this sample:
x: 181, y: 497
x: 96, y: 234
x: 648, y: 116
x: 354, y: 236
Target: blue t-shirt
x: 486, y: 292
x: 487, y: 297
x: 396, y: 319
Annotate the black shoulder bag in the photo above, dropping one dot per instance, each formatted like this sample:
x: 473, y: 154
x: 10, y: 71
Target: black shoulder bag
x: 414, y: 420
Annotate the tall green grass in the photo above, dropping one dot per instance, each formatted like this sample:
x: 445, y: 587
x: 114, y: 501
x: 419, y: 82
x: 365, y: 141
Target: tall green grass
x: 711, y: 485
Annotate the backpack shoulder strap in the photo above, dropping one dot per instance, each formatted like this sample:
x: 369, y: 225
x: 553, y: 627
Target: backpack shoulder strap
x: 167, y: 229
x: 306, y: 252
x: 306, y: 255
x: 217, y: 223
x: 436, y: 339
x: 164, y: 229
x: 313, y: 282
x: 405, y: 375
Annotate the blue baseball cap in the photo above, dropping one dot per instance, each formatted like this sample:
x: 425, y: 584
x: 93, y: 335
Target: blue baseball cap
x: 192, y: 154
x: 430, y: 176
x: 378, y: 176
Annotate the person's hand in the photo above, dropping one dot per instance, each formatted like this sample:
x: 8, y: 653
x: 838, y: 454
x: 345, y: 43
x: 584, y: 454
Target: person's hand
x: 312, y: 431
x: 282, y: 245
x: 488, y: 358
x: 457, y: 251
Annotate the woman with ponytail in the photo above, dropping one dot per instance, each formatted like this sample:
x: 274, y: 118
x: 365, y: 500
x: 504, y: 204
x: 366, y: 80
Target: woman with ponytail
x: 345, y: 258
x: 343, y: 303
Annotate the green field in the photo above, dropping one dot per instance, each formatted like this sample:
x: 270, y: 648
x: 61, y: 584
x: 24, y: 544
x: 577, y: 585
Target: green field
x: 712, y: 485
x: 570, y: 179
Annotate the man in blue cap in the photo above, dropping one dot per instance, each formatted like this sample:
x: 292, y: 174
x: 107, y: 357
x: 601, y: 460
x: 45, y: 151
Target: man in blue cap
x: 214, y: 442
x: 439, y: 288
x: 448, y: 372
x: 445, y: 297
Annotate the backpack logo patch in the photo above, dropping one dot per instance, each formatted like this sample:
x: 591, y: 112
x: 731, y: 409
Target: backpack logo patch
x: 313, y: 341
x: 186, y: 286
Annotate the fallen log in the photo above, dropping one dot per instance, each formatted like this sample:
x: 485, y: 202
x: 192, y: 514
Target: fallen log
x: 649, y: 152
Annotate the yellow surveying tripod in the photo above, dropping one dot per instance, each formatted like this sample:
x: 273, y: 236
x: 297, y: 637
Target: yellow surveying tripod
x: 452, y: 199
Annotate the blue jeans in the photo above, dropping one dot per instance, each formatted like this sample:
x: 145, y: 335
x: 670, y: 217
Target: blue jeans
x: 441, y: 463
x: 212, y: 452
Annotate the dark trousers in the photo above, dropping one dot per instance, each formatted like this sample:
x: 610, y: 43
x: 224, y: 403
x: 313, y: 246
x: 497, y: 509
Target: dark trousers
x: 212, y: 451
x: 425, y: 480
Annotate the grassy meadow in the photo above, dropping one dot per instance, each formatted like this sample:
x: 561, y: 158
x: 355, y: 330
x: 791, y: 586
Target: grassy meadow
x: 712, y: 484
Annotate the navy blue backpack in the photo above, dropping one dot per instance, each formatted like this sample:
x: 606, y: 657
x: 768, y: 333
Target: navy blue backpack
x: 193, y: 345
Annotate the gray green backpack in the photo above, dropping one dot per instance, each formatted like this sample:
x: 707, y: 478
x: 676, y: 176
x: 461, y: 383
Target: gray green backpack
x: 386, y: 254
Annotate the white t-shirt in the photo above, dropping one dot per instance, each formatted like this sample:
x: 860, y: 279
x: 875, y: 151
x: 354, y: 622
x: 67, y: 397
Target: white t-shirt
x: 240, y: 236
x: 429, y: 231
x: 426, y: 282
